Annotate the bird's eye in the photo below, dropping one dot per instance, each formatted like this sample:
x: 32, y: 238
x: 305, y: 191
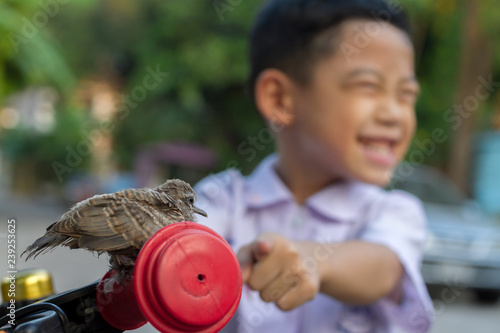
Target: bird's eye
x: 191, y: 200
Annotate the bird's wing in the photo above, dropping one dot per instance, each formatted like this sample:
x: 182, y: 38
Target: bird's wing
x: 115, y: 222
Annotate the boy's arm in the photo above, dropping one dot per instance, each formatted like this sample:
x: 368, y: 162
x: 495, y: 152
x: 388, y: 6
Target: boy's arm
x: 291, y: 273
x: 358, y: 272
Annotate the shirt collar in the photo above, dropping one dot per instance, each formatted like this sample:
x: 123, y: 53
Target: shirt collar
x: 264, y: 187
x: 342, y: 201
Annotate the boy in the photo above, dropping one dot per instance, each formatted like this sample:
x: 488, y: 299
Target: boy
x: 322, y: 247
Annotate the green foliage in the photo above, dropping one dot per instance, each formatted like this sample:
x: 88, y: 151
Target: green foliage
x: 203, y: 98
x: 28, y: 55
x: 437, y: 69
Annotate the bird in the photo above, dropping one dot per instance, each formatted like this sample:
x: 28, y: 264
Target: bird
x: 119, y: 223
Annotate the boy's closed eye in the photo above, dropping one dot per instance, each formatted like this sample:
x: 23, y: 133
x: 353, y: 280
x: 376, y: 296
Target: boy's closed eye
x: 368, y: 86
x: 406, y: 94
x: 409, y: 93
x: 364, y: 80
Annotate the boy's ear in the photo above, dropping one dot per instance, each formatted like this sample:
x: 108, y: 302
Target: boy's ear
x: 273, y: 97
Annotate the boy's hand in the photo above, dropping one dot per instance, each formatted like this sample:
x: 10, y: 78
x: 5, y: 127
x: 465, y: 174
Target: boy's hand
x: 273, y: 265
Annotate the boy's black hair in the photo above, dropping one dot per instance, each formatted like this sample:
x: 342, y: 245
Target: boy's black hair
x: 287, y: 33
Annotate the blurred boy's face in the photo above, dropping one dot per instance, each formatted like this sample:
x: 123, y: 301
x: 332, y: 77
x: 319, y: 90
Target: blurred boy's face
x: 356, y: 118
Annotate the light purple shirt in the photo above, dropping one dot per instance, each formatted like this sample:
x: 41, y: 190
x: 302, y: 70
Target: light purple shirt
x: 241, y: 208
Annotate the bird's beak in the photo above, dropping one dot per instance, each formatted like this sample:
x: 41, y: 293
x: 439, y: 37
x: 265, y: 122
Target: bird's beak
x: 199, y: 211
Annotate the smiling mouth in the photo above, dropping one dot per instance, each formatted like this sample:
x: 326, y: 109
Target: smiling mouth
x: 380, y: 152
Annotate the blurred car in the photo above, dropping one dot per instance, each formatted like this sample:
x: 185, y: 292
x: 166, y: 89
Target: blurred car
x: 463, y: 245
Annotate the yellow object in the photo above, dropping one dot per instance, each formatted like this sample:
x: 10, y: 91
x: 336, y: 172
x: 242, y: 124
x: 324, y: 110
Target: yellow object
x: 30, y: 285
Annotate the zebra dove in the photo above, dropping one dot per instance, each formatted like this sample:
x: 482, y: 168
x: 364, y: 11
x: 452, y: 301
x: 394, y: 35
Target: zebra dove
x: 120, y: 223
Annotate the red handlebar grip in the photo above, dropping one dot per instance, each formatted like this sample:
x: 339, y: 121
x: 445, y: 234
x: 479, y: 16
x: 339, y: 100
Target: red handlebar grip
x: 186, y: 279
x: 117, y: 304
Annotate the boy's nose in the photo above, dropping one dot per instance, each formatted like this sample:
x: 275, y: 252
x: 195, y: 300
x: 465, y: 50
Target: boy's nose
x: 389, y: 113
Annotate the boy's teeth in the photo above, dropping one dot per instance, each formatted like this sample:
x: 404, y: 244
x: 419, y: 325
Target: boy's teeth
x: 379, y: 148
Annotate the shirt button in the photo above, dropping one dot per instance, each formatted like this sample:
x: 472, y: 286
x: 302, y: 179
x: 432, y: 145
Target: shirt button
x: 256, y: 199
x: 299, y: 217
x: 299, y: 220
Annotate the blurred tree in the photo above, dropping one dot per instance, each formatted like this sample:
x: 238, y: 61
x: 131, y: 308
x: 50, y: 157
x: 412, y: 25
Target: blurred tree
x: 455, y: 45
x: 28, y: 54
x: 204, y: 52
x: 475, y: 87
x: 436, y: 34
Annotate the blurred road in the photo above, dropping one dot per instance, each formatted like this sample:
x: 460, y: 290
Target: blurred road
x: 465, y: 315
x: 74, y: 269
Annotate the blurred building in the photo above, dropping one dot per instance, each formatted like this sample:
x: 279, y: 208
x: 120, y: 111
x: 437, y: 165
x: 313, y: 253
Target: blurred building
x: 32, y: 110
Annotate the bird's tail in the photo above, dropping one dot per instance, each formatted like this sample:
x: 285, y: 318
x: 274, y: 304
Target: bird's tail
x: 45, y: 244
